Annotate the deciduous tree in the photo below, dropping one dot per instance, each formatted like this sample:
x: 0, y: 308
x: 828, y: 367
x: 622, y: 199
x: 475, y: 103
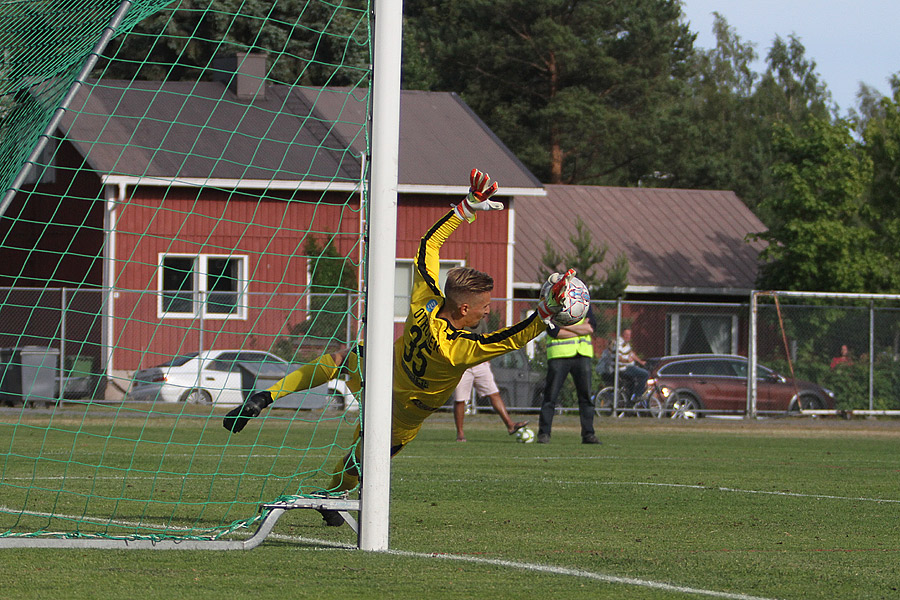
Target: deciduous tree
x: 882, y: 145
x: 822, y: 239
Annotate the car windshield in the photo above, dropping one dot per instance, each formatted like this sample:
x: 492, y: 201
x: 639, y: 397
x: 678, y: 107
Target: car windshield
x: 179, y: 360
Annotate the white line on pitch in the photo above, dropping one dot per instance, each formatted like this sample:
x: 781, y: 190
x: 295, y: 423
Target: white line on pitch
x: 553, y: 570
x: 608, y: 483
x: 656, y: 585
x: 740, y: 491
x: 471, y: 559
x: 701, y: 487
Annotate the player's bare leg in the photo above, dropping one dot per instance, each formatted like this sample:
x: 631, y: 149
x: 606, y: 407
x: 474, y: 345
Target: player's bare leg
x: 500, y: 409
x: 459, y: 415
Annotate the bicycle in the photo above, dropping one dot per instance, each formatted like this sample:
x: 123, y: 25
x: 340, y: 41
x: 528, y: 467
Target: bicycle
x: 650, y: 404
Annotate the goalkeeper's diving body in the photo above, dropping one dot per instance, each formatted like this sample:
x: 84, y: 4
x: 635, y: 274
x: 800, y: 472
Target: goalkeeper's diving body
x: 435, y: 348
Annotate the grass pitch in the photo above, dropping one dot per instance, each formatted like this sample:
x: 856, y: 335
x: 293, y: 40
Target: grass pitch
x: 780, y: 508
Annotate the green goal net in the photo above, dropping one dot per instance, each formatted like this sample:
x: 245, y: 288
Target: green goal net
x: 182, y: 224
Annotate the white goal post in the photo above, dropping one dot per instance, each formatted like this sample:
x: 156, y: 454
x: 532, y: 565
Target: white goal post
x: 376, y: 468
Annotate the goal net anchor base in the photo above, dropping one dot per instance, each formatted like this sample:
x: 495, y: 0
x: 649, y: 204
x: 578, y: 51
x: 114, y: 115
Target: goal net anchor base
x: 274, y: 511
x: 341, y: 505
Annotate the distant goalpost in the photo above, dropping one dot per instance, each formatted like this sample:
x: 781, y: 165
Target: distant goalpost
x: 804, y: 330
x: 180, y: 178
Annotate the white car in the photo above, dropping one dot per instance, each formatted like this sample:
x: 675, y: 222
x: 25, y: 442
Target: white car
x: 225, y: 377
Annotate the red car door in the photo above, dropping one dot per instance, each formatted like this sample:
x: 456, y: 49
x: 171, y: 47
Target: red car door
x: 770, y: 389
x: 730, y: 391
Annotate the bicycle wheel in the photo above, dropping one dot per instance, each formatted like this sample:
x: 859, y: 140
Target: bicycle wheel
x: 603, y: 401
x: 656, y: 408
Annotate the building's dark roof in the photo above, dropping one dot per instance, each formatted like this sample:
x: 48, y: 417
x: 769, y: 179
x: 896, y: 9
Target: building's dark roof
x: 203, y: 130
x: 675, y: 240
x: 440, y: 137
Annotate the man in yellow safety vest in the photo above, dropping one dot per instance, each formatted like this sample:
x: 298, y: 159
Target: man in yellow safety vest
x: 569, y: 350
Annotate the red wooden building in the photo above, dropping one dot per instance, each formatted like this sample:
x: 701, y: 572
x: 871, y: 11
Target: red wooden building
x: 185, y: 207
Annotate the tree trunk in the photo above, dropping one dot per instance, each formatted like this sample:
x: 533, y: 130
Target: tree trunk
x: 556, y: 152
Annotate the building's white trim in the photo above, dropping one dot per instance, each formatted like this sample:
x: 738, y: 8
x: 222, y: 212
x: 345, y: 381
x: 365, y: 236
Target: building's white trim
x: 510, y: 263
x: 458, y: 190
x: 234, y: 184
x: 711, y: 291
x: 306, y: 185
x: 113, y: 197
x: 652, y: 289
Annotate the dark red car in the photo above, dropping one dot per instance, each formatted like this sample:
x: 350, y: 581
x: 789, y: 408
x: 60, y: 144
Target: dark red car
x: 705, y: 383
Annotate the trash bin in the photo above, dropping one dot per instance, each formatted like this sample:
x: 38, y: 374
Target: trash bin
x: 29, y: 374
x: 10, y: 377
x: 80, y: 379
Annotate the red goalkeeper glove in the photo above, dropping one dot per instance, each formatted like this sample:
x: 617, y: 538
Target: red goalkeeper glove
x: 553, y: 292
x: 479, y: 197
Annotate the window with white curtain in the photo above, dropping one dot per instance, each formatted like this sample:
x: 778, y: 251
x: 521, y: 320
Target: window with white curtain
x: 702, y: 334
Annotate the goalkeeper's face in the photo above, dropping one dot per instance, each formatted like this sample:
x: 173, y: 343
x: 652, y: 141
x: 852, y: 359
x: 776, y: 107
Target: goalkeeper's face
x: 476, y: 307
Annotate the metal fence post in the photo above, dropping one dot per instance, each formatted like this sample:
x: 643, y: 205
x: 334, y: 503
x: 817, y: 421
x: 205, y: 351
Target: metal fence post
x: 202, y: 311
x: 751, y: 354
x: 871, y: 355
x: 616, y: 372
x: 62, y: 346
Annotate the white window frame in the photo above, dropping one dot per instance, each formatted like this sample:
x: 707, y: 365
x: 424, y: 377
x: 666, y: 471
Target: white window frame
x: 200, y: 287
x: 408, y: 266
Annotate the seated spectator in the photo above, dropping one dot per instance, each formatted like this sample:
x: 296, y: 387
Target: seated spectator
x: 635, y: 376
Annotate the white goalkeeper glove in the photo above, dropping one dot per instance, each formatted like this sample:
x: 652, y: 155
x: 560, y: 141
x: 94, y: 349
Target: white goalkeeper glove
x: 553, y: 293
x: 479, y: 197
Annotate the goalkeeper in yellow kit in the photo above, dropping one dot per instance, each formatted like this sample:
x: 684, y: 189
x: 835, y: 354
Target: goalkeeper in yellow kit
x: 435, y: 348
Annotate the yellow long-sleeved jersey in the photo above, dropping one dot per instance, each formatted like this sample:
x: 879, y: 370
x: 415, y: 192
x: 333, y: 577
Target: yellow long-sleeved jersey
x: 432, y: 355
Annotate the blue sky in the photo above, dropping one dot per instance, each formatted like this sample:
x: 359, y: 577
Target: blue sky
x: 850, y: 42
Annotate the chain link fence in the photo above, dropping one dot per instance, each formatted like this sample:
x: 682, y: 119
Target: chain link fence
x: 658, y: 329
x: 87, y: 343
x: 849, y: 344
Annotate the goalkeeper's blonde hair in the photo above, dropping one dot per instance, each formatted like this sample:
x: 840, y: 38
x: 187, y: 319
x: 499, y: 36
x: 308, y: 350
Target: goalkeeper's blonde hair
x: 462, y: 282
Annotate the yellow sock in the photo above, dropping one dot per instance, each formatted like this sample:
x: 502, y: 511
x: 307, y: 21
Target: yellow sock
x: 346, y: 474
x: 352, y: 370
x: 308, y: 376
x: 343, y: 481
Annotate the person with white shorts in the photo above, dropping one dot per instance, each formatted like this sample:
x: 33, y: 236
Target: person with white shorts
x: 482, y: 379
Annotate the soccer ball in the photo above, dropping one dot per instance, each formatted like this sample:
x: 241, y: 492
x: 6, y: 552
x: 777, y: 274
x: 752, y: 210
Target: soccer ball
x: 575, y: 304
x: 525, y: 436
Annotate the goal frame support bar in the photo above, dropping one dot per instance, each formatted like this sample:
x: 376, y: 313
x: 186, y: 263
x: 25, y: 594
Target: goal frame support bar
x: 381, y: 240
x: 274, y: 512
